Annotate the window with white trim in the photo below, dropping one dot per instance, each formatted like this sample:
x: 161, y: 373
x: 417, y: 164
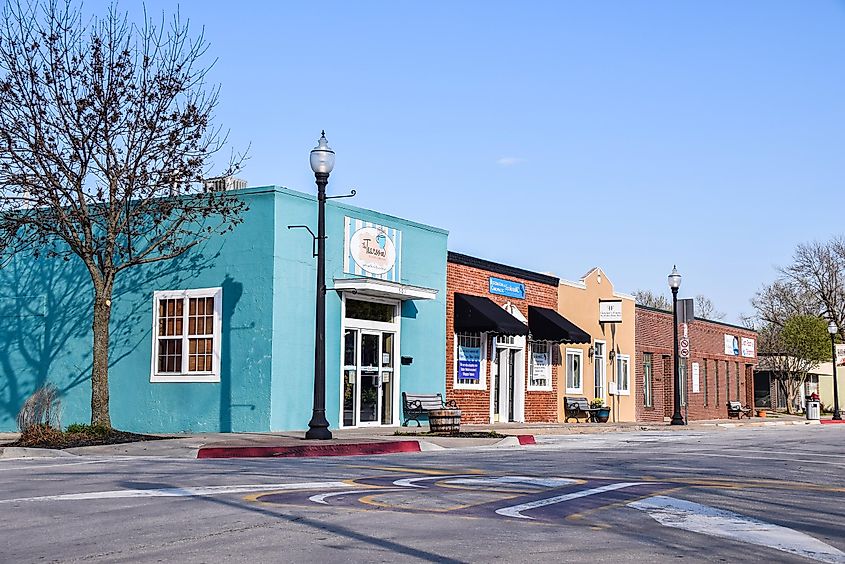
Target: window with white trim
x: 648, y: 375
x: 623, y: 374
x: 470, y: 353
x: 540, y: 366
x: 186, y: 335
x: 574, y: 371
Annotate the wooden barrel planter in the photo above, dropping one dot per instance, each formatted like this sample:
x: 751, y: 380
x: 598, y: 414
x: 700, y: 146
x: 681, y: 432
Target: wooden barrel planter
x: 444, y: 420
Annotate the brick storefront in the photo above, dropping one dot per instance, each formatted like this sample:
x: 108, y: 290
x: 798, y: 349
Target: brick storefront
x: 722, y: 377
x: 471, y: 276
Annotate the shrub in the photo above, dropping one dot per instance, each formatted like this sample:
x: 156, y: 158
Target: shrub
x: 42, y: 409
x: 36, y: 435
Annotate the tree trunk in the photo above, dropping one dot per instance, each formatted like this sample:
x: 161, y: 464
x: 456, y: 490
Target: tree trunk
x: 100, y: 368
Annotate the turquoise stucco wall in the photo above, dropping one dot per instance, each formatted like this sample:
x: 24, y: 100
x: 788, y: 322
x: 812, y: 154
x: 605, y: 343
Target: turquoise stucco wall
x: 267, y: 273
x: 423, y: 323
x: 45, y: 335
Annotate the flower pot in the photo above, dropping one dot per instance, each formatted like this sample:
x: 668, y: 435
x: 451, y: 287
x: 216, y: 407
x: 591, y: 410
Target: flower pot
x: 603, y: 414
x: 761, y: 413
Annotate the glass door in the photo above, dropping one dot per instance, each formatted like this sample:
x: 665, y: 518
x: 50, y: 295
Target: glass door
x: 387, y: 378
x: 350, y: 376
x: 370, y: 382
x: 504, y: 385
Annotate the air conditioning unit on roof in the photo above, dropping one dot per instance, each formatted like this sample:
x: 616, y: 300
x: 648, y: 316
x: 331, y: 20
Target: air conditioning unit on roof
x: 223, y: 183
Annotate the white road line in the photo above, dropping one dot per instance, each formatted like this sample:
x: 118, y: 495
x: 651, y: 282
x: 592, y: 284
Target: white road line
x: 516, y: 510
x: 39, y: 466
x: 320, y: 498
x: 512, y: 480
x: 706, y: 520
x: 412, y: 482
x: 182, y: 492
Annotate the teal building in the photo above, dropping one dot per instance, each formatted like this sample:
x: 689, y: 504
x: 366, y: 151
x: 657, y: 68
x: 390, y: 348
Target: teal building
x: 222, y: 338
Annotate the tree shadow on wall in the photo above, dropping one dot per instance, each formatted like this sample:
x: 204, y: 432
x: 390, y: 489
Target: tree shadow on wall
x: 45, y: 320
x: 42, y: 305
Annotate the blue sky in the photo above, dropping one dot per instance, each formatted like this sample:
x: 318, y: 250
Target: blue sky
x: 559, y: 135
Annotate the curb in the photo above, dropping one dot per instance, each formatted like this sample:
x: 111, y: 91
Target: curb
x: 831, y: 422
x: 24, y: 452
x: 310, y: 450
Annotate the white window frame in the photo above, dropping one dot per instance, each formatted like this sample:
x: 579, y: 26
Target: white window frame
x: 482, y: 369
x: 184, y: 375
x: 547, y: 387
x: 648, y: 380
x: 580, y: 354
x: 620, y: 360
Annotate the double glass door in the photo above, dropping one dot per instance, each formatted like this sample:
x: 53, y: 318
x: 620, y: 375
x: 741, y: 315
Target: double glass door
x: 369, y: 357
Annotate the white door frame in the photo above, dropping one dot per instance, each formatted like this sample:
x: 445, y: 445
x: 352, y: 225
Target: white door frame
x: 364, y: 326
x: 517, y: 349
x: 603, y: 369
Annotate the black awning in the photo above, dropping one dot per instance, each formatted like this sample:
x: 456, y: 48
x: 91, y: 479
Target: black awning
x: 548, y: 325
x: 480, y: 314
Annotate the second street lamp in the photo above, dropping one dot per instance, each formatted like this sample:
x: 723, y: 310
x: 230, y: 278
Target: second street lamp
x: 674, y: 284
x: 322, y: 163
x: 832, y: 329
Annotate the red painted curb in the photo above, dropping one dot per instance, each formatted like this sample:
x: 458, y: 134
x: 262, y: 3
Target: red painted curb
x: 348, y: 449
x: 831, y: 422
x: 526, y: 439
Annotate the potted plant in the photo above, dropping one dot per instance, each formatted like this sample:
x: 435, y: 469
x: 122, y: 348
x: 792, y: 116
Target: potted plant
x: 603, y: 413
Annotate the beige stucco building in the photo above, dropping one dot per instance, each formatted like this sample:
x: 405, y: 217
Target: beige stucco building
x: 603, y: 368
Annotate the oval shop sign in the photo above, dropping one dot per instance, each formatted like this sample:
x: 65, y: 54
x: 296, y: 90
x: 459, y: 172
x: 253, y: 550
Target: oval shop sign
x: 372, y: 250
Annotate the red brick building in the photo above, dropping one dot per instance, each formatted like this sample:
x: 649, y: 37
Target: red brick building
x: 720, y: 367
x: 502, y: 341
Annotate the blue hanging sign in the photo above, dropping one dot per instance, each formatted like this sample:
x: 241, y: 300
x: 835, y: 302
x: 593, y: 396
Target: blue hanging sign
x: 507, y: 288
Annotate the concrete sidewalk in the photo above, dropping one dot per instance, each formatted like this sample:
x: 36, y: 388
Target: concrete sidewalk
x: 369, y: 440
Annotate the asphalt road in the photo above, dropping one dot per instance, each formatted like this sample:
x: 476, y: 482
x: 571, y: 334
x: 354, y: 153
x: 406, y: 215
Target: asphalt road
x: 747, y: 495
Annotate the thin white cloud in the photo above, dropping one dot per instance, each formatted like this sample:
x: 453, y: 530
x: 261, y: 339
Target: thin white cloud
x: 510, y: 161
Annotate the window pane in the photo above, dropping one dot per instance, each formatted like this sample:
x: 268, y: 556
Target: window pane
x: 169, y: 355
x: 349, y: 344
x: 371, y: 311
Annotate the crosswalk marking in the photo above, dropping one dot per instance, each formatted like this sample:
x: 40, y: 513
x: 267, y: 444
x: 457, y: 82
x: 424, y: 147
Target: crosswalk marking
x: 691, y: 516
x: 516, y: 510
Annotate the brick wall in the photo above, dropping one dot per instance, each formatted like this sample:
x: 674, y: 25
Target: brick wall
x: 540, y: 406
x: 719, y: 374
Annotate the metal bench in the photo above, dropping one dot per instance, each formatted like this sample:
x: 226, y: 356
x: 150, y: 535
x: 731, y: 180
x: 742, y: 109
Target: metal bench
x: 416, y: 405
x: 578, y: 407
x: 735, y: 409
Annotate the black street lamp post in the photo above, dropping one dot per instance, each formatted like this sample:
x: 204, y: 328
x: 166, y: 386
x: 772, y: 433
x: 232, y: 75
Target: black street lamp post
x: 674, y: 284
x: 832, y: 329
x: 322, y: 162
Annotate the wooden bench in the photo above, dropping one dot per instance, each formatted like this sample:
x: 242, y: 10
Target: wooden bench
x: 735, y: 409
x: 416, y: 405
x: 578, y: 407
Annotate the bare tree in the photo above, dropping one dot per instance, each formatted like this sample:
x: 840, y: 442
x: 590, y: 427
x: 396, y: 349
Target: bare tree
x: 106, y: 132
x: 704, y: 309
x: 782, y: 299
x: 650, y: 299
x: 818, y: 271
